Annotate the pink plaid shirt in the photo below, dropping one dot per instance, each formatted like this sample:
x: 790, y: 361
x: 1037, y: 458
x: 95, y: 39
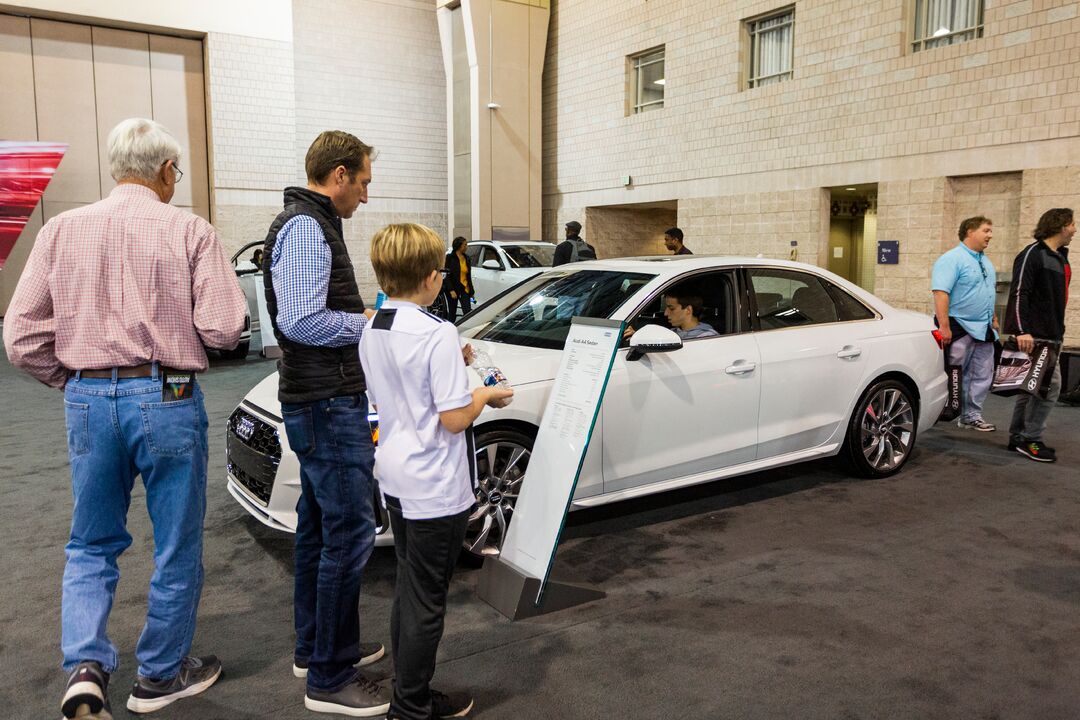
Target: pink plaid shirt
x: 123, y: 282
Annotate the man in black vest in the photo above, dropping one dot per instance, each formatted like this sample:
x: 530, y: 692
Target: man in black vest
x: 318, y: 317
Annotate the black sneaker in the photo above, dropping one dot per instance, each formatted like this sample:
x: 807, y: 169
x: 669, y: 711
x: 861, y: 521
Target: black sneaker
x: 360, y: 698
x: 1037, y: 452
x: 370, y: 652
x: 87, y: 692
x: 450, y: 705
x: 195, y: 676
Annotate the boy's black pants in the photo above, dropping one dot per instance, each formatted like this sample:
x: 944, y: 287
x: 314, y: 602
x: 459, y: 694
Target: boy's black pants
x: 427, y: 551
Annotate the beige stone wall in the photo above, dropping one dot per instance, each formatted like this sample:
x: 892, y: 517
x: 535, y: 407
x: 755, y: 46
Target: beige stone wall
x: 858, y: 93
x: 628, y: 232
x: 757, y: 223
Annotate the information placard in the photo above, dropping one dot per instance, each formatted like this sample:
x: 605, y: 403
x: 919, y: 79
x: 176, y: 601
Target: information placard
x: 560, y: 446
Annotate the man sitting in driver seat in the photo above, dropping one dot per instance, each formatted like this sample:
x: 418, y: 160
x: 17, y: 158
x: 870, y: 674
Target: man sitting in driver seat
x: 683, y: 311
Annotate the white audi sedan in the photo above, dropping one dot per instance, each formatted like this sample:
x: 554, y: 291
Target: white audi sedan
x: 803, y: 365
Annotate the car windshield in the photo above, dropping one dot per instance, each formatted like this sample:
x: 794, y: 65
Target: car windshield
x: 530, y: 256
x: 538, y: 311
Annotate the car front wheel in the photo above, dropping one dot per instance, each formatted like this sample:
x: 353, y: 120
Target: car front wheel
x: 502, y: 456
x: 881, y: 433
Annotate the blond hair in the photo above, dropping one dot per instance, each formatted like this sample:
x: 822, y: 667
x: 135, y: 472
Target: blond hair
x: 404, y: 255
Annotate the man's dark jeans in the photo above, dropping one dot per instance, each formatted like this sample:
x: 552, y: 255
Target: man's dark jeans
x: 335, y: 532
x: 427, y: 551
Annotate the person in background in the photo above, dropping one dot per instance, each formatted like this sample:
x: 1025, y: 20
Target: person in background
x: 318, y: 318
x: 1036, y: 311
x: 573, y: 248
x: 424, y: 461
x: 256, y: 258
x: 964, y: 286
x: 458, y: 286
x: 683, y: 312
x: 103, y: 312
x: 673, y: 241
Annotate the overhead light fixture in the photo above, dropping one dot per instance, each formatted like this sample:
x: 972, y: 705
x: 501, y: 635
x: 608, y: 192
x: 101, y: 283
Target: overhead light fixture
x: 661, y: 81
x: 851, y: 189
x: 941, y: 31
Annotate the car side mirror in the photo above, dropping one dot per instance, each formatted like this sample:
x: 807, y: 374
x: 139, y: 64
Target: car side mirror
x: 491, y: 265
x: 652, y: 339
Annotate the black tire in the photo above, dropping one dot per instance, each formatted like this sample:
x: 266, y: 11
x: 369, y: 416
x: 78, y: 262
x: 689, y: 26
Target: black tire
x: 881, y: 432
x: 489, y: 522
x: 238, y: 353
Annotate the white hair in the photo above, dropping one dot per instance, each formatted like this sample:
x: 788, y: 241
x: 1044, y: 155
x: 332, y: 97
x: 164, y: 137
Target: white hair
x: 138, y: 148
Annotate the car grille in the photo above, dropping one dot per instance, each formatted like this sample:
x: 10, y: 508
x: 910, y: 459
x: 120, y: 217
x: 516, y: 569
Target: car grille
x: 253, y: 451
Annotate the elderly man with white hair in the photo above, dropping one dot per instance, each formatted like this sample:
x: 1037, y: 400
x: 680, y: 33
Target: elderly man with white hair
x: 114, y: 307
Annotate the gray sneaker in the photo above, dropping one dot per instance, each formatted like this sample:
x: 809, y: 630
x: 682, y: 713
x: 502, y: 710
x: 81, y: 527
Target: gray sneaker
x: 360, y: 698
x: 978, y: 424
x: 195, y: 676
x: 370, y: 652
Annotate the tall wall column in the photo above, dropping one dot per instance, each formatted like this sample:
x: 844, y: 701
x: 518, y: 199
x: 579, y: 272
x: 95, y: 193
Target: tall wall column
x: 495, y: 171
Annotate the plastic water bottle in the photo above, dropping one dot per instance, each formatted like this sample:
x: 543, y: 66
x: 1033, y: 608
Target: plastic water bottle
x: 490, y: 375
x: 380, y: 298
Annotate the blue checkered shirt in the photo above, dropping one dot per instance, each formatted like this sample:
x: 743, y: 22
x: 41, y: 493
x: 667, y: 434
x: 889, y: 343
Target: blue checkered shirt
x: 300, y: 267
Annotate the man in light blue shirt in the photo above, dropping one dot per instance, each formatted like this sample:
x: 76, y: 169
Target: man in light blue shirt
x: 963, y: 284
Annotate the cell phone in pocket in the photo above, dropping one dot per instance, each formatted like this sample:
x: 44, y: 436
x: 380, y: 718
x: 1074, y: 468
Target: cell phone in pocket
x: 177, y: 386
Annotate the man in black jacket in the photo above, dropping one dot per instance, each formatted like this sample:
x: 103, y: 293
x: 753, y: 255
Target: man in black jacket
x: 573, y: 248
x: 318, y: 318
x: 1036, y: 311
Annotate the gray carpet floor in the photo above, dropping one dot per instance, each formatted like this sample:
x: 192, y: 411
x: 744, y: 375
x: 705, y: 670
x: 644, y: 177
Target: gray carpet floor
x: 949, y: 591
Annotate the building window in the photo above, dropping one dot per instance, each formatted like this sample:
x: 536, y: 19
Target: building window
x: 944, y: 22
x: 646, y: 81
x: 772, y: 47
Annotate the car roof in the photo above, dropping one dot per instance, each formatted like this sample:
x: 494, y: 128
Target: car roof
x: 681, y: 263
x: 501, y: 243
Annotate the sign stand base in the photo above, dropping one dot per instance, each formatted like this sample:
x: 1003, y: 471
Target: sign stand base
x: 512, y: 593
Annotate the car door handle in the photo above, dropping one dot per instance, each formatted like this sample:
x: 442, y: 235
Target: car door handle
x: 740, y: 368
x: 849, y: 353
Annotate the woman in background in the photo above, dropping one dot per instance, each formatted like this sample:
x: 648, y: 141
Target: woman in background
x: 458, y: 285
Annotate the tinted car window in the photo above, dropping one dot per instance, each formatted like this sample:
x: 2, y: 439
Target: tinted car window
x: 788, y: 298
x: 473, y: 253
x: 530, y: 256
x: 848, y: 306
x: 537, y: 313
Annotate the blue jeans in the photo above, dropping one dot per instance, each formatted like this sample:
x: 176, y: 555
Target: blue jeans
x: 977, y: 360
x: 117, y: 429
x: 335, y: 532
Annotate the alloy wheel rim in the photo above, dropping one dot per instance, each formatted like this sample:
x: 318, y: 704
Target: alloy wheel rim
x: 887, y: 429
x: 500, y: 469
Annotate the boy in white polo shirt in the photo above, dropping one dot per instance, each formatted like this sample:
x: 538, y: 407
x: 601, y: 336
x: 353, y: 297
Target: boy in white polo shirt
x: 414, y: 365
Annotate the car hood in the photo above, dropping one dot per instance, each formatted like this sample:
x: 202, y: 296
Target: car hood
x: 521, y: 366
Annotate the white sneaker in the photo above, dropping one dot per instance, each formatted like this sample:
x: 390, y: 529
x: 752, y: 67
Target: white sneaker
x: 977, y: 424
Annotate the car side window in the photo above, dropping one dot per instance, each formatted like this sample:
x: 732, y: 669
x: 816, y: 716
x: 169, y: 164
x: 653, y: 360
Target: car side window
x: 789, y: 298
x: 718, y: 310
x: 848, y: 306
x: 473, y: 253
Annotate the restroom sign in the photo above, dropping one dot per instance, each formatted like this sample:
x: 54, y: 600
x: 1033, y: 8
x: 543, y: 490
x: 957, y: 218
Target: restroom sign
x: 888, y: 252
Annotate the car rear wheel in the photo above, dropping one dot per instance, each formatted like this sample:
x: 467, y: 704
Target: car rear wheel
x: 881, y: 433
x: 502, y: 456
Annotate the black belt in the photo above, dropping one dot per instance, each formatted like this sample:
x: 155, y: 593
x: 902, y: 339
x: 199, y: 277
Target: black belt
x: 136, y: 371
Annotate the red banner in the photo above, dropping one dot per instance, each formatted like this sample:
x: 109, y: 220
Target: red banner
x: 25, y: 171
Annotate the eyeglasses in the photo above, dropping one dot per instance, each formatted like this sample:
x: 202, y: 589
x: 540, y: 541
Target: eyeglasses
x: 982, y: 268
x: 444, y: 272
x: 176, y: 169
